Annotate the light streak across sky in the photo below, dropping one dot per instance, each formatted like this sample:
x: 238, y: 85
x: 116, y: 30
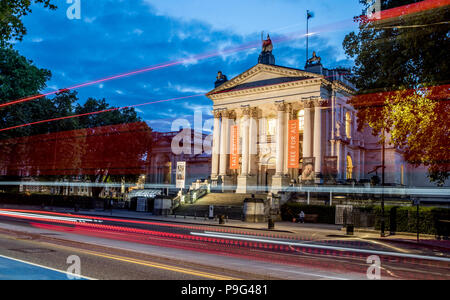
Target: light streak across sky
x: 199, y: 57
x: 97, y: 112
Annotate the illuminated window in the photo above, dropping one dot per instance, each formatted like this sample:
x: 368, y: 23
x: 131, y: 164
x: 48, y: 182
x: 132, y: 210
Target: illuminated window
x: 301, y: 120
x: 349, y: 167
x: 271, y: 126
x: 348, y: 124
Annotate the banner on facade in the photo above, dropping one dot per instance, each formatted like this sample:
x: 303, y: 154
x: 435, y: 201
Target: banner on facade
x: 181, y: 174
x: 234, y: 148
x: 330, y: 166
x: 293, y: 144
x: 308, y: 168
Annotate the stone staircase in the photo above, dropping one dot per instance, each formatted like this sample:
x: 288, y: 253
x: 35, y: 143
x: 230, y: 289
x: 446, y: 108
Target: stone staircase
x: 228, y: 204
x: 224, y: 199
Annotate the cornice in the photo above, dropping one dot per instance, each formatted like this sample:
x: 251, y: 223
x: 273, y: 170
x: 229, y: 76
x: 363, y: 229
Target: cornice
x: 268, y: 88
x: 261, y: 68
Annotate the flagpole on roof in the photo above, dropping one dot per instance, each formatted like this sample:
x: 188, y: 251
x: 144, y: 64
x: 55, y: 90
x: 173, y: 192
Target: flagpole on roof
x: 309, y: 15
x: 307, y: 31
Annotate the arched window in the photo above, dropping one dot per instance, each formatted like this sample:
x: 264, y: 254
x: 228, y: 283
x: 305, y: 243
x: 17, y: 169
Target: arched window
x: 301, y: 120
x: 349, y: 174
x: 348, y: 124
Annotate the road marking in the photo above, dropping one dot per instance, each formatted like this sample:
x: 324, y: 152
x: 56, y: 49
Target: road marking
x: 309, y: 274
x: 255, y: 239
x: 38, y: 216
x: 45, y: 267
x: 153, y: 265
x: 161, y: 266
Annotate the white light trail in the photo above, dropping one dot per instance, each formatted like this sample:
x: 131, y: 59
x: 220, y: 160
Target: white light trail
x: 342, y: 249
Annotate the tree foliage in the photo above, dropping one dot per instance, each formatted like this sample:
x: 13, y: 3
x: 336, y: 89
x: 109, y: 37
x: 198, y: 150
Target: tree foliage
x: 20, y: 78
x: 11, y: 14
x: 399, y: 60
x: 421, y: 127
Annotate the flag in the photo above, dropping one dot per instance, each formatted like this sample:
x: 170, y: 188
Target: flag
x: 309, y: 14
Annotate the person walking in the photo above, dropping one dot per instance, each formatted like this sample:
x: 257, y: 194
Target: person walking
x: 301, y: 217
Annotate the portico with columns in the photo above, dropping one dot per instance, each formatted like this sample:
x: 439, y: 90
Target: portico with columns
x: 261, y: 102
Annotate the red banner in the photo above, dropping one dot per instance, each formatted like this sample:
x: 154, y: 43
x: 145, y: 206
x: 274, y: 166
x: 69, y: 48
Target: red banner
x: 234, y: 148
x: 293, y: 144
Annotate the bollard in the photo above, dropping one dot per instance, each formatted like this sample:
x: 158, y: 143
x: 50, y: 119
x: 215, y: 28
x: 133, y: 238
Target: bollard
x: 350, y: 229
x: 271, y: 224
x: 221, y: 219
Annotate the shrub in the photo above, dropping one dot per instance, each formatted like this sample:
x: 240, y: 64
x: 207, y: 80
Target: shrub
x: 326, y: 214
x: 406, y: 217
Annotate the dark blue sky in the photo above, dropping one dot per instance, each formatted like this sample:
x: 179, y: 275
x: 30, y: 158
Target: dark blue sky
x: 118, y: 36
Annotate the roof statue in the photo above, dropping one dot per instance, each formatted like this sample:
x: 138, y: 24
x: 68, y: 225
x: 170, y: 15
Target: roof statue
x: 267, y: 45
x: 314, y: 59
x: 220, y: 79
x: 266, y: 56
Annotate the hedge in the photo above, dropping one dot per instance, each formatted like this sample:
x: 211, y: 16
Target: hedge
x: 326, y: 214
x: 47, y: 200
x: 406, y: 217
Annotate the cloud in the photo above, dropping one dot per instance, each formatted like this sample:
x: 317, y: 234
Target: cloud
x: 37, y: 40
x: 110, y: 42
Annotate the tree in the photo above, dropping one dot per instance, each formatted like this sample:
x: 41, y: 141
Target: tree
x: 400, y: 59
x: 20, y: 78
x: 419, y: 129
x: 67, y: 147
x: 11, y: 13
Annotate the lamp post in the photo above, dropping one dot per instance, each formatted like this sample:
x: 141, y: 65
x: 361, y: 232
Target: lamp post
x: 383, y: 156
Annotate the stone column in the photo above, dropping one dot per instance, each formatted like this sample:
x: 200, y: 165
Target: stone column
x: 216, y: 146
x: 281, y: 107
x: 246, y: 182
x: 280, y: 180
x: 224, y: 172
x: 307, y: 131
x: 224, y: 143
x: 253, y: 141
x: 245, y: 141
x: 318, y: 153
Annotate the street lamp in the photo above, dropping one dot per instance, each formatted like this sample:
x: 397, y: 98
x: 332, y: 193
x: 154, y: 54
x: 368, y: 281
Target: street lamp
x: 383, y: 156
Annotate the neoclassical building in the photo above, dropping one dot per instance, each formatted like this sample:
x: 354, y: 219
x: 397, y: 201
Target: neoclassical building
x: 274, y: 126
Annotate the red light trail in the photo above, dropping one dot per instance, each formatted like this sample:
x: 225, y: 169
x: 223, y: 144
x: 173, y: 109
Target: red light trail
x: 97, y: 112
x: 409, y: 9
x: 387, y: 14
x: 152, y: 68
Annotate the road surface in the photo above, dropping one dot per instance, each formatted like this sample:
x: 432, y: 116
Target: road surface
x: 121, y: 248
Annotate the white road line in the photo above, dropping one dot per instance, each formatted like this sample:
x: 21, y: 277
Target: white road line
x: 48, y: 268
x: 371, y: 252
x: 50, y: 217
x: 309, y: 274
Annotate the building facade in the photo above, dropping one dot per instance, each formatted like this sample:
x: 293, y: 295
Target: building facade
x: 275, y: 126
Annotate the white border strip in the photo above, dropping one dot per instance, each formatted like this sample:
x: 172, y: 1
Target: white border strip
x: 76, y: 277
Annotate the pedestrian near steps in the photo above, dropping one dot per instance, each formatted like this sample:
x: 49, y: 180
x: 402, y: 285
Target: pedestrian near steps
x: 301, y: 217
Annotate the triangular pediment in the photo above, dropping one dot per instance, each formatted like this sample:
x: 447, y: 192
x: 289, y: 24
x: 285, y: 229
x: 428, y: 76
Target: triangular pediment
x: 263, y: 75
